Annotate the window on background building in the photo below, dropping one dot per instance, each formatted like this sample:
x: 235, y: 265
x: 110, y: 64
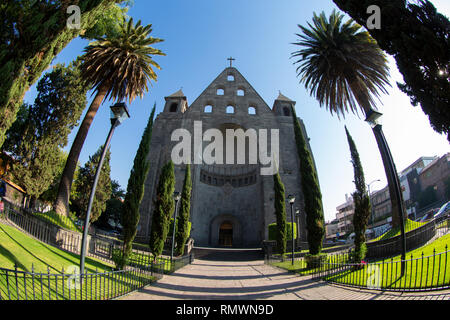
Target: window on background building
x: 252, y: 110
x: 286, y: 112
x: 208, y: 109
x: 230, y: 77
x: 220, y: 92
x: 240, y: 93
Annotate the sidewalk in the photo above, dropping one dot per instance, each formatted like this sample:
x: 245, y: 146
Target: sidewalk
x: 251, y: 280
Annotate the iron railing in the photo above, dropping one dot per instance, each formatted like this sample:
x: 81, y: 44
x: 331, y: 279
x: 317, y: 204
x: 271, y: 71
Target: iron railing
x: 421, y: 274
x: 23, y: 285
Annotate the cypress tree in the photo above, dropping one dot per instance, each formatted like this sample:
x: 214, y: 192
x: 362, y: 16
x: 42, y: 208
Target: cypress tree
x: 361, y: 203
x: 135, y: 190
x: 84, y: 184
x: 416, y: 35
x: 32, y: 33
x: 280, y: 213
x: 164, y: 205
x: 315, y: 223
x: 183, y: 217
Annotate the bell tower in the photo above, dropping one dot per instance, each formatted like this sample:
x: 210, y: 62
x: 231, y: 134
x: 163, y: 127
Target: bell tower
x: 176, y: 103
x: 282, y: 106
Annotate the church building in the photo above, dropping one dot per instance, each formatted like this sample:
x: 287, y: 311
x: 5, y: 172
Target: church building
x: 232, y: 204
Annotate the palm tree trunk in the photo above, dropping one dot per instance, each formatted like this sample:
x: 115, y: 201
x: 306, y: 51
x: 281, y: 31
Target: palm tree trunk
x: 61, y: 205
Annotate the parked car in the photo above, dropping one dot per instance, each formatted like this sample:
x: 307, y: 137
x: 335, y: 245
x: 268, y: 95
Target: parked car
x: 429, y: 215
x: 443, y: 211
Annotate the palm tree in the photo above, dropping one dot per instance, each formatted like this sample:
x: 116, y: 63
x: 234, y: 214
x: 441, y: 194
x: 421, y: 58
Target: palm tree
x: 344, y: 69
x: 117, y: 68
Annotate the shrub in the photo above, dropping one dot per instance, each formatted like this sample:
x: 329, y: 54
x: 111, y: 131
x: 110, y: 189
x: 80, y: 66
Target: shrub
x: 315, y: 260
x: 120, y: 260
x: 273, y: 231
x: 176, y: 228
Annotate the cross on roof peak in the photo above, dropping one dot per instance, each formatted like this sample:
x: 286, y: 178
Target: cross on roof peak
x: 231, y: 59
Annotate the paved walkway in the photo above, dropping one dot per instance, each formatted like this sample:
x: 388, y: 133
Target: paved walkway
x: 215, y: 279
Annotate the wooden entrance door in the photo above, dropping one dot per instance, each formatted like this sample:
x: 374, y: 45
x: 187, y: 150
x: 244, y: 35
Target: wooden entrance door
x: 226, y: 234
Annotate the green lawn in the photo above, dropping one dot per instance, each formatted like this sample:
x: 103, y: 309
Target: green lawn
x: 431, y: 271
x: 409, y: 226
x: 18, y: 249
x: 60, y: 221
x: 428, y: 272
x: 299, y: 266
x: 146, y: 259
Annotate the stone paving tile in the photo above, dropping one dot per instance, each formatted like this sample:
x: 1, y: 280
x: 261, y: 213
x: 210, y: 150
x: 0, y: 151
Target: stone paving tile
x: 251, y: 280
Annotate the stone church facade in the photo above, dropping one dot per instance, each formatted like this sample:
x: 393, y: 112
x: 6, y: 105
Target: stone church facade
x: 231, y: 204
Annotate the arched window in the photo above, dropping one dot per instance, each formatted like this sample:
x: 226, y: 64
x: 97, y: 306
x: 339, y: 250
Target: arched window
x: 230, y: 109
x: 240, y: 92
x: 220, y: 92
x: 252, y: 110
x: 230, y: 77
x: 174, y: 107
x: 286, y: 111
x: 208, y: 109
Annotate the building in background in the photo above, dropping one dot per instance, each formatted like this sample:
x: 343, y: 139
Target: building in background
x: 425, y: 184
x: 331, y: 229
x: 434, y: 180
x: 344, y: 216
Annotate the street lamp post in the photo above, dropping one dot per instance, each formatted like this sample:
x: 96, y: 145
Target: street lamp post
x: 119, y: 113
x: 176, y: 196
x: 370, y: 199
x: 373, y: 118
x: 291, y: 200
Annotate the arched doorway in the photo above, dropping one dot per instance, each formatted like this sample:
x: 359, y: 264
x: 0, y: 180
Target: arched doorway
x: 226, y: 234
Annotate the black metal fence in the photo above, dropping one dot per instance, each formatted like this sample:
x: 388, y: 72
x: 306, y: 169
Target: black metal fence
x: 420, y: 274
x: 414, y: 238
x: 142, y: 269
x: 99, y: 247
x: 21, y: 285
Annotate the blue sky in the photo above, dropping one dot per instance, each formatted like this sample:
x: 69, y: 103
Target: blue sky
x: 201, y: 34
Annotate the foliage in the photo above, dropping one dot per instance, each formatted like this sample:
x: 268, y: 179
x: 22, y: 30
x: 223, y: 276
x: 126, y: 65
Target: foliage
x: 361, y: 202
x: 280, y: 213
x: 32, y: 33
x: 163, y: 209
x: 110, y: 58
x: 273, y: 231
x: 86, y: 180
x: 315, y: 221
x: 49, y: 195
x: 118, y: 67
x: 342, y: 67
x: 188, y: 228
x: 183, y: 223
x: 315, y: 260
x: 420, y: 44
x: 41, y: 130
x: 135, y: 188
